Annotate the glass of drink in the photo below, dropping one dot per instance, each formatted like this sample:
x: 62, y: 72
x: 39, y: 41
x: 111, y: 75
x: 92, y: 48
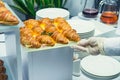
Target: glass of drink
x: 109, y: 11
x: 89, y: 10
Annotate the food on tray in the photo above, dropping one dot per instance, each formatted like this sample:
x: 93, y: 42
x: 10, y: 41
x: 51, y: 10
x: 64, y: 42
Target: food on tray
x: 44, y: 22
x: 34, y: 25
x: 1, y: 62
x: 30, y: 42
x: 61, y: 23
x: 45, y: 39
x: 2, y: 69
x: 59, y: 38
x: 66, y: 29
x: 55, y: 34
x: 3, y: 76
x: 32, y: 39
x: 1, y: 4
x: 71, y: 35
x: 28, y: 38
x: 36, y: 33
x: 6, y: 16
x: 31, y: 23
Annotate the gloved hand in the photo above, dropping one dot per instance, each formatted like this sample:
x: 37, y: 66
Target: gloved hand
x: 93, y: 45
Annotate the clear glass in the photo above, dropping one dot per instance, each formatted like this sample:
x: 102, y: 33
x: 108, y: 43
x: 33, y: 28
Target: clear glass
x: 89, y: 10
x: 109, y: 11
x: 118, y: 26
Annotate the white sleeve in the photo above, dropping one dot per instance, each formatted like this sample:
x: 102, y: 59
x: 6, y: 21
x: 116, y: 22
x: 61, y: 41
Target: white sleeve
x: 112, y: 46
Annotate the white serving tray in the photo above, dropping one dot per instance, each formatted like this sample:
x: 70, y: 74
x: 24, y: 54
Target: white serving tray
x: 57, y: 45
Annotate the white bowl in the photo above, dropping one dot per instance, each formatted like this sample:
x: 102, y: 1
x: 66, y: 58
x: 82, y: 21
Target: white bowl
x: 84, y: 28
x: 52, y: 13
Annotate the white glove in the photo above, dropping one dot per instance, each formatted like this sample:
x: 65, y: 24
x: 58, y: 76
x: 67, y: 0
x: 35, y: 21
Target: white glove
x: 97, y: 45
x: 93, y: 45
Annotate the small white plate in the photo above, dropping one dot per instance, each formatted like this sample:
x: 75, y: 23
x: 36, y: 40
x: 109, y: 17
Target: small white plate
x: 101, y: 66
x: 85, y: 18
x: 84, y: 28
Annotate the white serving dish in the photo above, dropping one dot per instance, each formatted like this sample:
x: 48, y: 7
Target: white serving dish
x: 100, y: 67
x: 84, y: 28
x: 52, y: 13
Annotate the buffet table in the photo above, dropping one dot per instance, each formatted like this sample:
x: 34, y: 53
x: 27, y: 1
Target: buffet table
x: 102, y: 32
x: 101, y: 29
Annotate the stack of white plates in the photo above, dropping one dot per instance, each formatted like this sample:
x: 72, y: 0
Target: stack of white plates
x: 52, y: 13
x: 84, y: 28
x: 100, y: 67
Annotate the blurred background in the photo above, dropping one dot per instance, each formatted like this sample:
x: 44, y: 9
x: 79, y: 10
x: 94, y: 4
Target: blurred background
x: 74, y: 6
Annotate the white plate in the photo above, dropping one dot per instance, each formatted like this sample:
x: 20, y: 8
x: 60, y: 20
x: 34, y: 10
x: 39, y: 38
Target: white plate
x: 52, y: 13
x: 84, y: 28
x: 100, y: 65
x: 85, y: 18
x: 81, y: 26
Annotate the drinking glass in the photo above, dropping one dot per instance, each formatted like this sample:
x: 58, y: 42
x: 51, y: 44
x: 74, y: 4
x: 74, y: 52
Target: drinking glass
x: 109, y: 11
x: 118, y: 26
x: 89, y: 10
